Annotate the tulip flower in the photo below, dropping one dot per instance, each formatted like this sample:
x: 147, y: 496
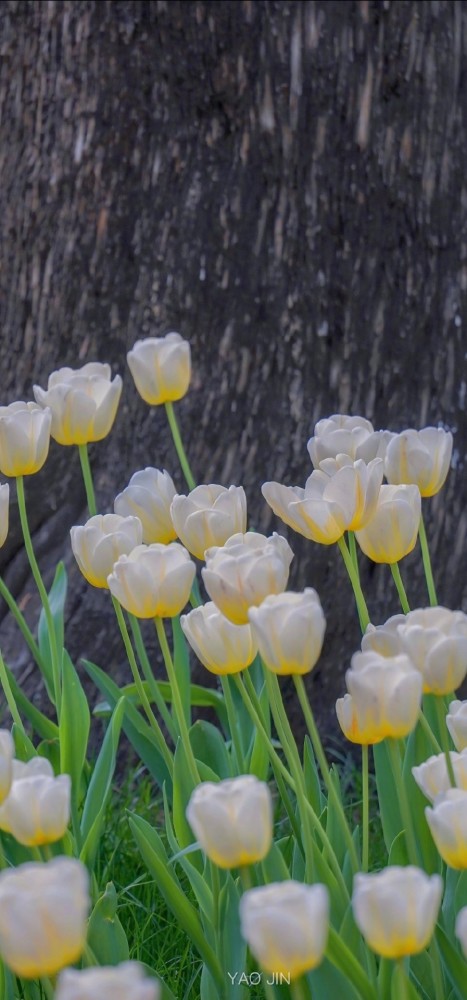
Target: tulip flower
x: 148, y: 496
x: 232, y: 820
x: 286, y: 924
x: 208, y: 516
x: 289, y: 630
x: 241, y: 573
x: 222, y: 647
x: 24, y: 438
x: 383, y: 701
x: 4, y: 512
x: 461, y: 929
x: 391, y: 533
x: 339, y: 496
x: 37, y: 808
x: 126, y: 981
x: 435, y: 639
x: 101, y: 541
x: 456, y: 721
x: 396, y: 909
x: 83, y: 403
x: 344, y: 435
x: 7, y: 750
x: 43, y: 916
x: 384, y: 639
x: 419, y: 457
x: 432, y: 776
x: 161, y: 368
x: 153, y: 581
x: 448, y: 824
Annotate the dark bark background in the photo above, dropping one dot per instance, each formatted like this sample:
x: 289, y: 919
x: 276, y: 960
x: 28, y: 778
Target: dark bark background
x: 283, y: 183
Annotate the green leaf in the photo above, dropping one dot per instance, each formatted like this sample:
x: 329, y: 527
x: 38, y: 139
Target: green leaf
x: 209, y: 746
x: 328, y: 983
x: 387, y: 795
x: 398, y: 854
x: 418, y: 749
x: 182, y: 789
x: 99, y: 788
x: 200, y: 697
x: 106, y: 936
x: 402, y: 986
x: 181, y: 660
x: 24, y: 749
x: 197, y: 879
x: 233, y: 947
x: 312, y: 781
x: 134, y: 726
x: 258, y: 756
x: 333, y: 820
x: 274, y: 867
x: 43, y: 726
x: 57, y: 597
x: 156, y: 860
x: 454, y: 965
x: 74, y: 725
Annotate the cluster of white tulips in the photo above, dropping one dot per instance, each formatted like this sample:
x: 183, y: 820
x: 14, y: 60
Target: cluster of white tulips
x: 286, y: 891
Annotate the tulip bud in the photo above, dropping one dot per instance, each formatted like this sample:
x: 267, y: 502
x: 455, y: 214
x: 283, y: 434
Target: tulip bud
x: 208, y: 516
x: 432, y: 776
x: 161, y: 368
x: 244, y: 571
x: 448, y: 824
x: 339, y: 496
x: 344, y: 435
x: 286, y: 926
x: 7, y: 750
x: 222, y: 647
x: 4, y: 512
x: 384, y: 699
x: 392, y: 531
x: 456, y: 721
x: 419, y: 457
x: 126, y: 981
x: 461, y: 929
x: 232, y: 820
x: 148, y: 496
x: 154, y: 581
x: 289, y: 629
x: 37, y: 809
x: 396, y: 909
x: 83, y: 402
x: 24, y: 438
x: 101, y: 541
x: 43, y: 912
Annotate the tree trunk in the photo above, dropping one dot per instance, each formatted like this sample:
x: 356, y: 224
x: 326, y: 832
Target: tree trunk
x: 283, y: 183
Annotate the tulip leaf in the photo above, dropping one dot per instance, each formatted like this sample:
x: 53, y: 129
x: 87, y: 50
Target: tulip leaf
x: 421, y: 969
x: 312, y: 781
x: 165, y: 993
x: 106, y: 936
x: 328, y: 982
x: 99, y: 788
x: 43, y: 726
x: 208, y: 988
x: 181, y: 659
x: 259, y: 756
x: 197, y: 881
x: 448, y: 906
x: 74, y: 727
x: 156, y: 860
x: 182, y: 789
x: 24, y: 749
x: 273, y: 866
x: 398, y: 854
x: 57, y: 597
x: 350, y: 933
x: 334, y: 821
x: 343, y: 959
x: 402, y: 986
x: 387, y: 794
x: 209, y: 746
x: 418, y: 749
x: 200, y: 697
x: 233, y: 947
x: 454, y: 965
x: 134, y: 726
x: 460, y: 897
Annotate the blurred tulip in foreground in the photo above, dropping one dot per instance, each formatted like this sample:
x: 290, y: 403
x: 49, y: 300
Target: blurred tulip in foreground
x: 222, y: 647
x: 153, y: 581
x: 432, y: 776
x: 396, y: 909
x: 286, y: 926
x: 126, y: 981
x: 241, y: 573
x: 461, y: 929
x: 448, y: 824
x: 456, y: 721
x: 208, y: 516
x: 148, y: 496
x: 161, y: 368
x: 101, y: 541
x: 232, y: 820
x: 289, y: 630
x: 83, y: 402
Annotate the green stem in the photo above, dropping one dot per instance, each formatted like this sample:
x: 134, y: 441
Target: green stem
x: 324, y: 767
x: 56, y: 664
x: 233, y: 725
x: 21, y: 622
x: 402, y: 981
x: 365, y: 809
x: 353, y: 550
x: 173, y: 424
x: 427, y: 563
x: 437, y: 970
x: 444, y: 737
x: 299, y: 990
x: 362, y: 609
x: 87, y: 476
x: 400, y: 587
x: 10, y: 696
x: 160, y: 740
x: 245, y: 877
x: 429, y: 732
x: 149, y: 676
x: 404, y: 802
x: 176, y: 700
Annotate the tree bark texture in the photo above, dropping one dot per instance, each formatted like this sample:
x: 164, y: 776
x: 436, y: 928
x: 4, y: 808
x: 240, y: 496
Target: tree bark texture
x: 283, y: 183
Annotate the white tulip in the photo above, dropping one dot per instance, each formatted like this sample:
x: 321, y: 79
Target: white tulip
x: 286, y: 926
x: 456, y: 721
x: 344, y: 435
x: 83, y: 402
x: 161, y: 368
x: 222, y: 647
x: 24, y: 438
x: 241, y: 573
x: 148, y: 496
x: 154, y: 580
x: 432, y: 776
x: 126, y: 981
x: 101, y: 541
x: 384, y: 698
x: 289, y: 630
x: 391, y: 532
x: 419, y: 457
x: 232, y: 820
x: 396, y: 909
x: 208, y: 516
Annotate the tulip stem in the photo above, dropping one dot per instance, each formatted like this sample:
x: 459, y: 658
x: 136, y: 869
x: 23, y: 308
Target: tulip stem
x: 444, y: 738
x: 400, y: 587
x: 4, y: 681
x: 87, y: 476
x: 353, y: 550
x: 429, y: 732
x: 410, y: 840
x: 176, y: 700
x: 437, y: 970
x: 149, y: 676
x: 159, y: 737
x: 173, y: 424
x: 233, y: 725
x: 365, y: 809
x: 56, y: 666
x: 427, y: 563
x: 354, y: 579
x: 22, y: 624
x: 324, y: 767
x: 299, y: 990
